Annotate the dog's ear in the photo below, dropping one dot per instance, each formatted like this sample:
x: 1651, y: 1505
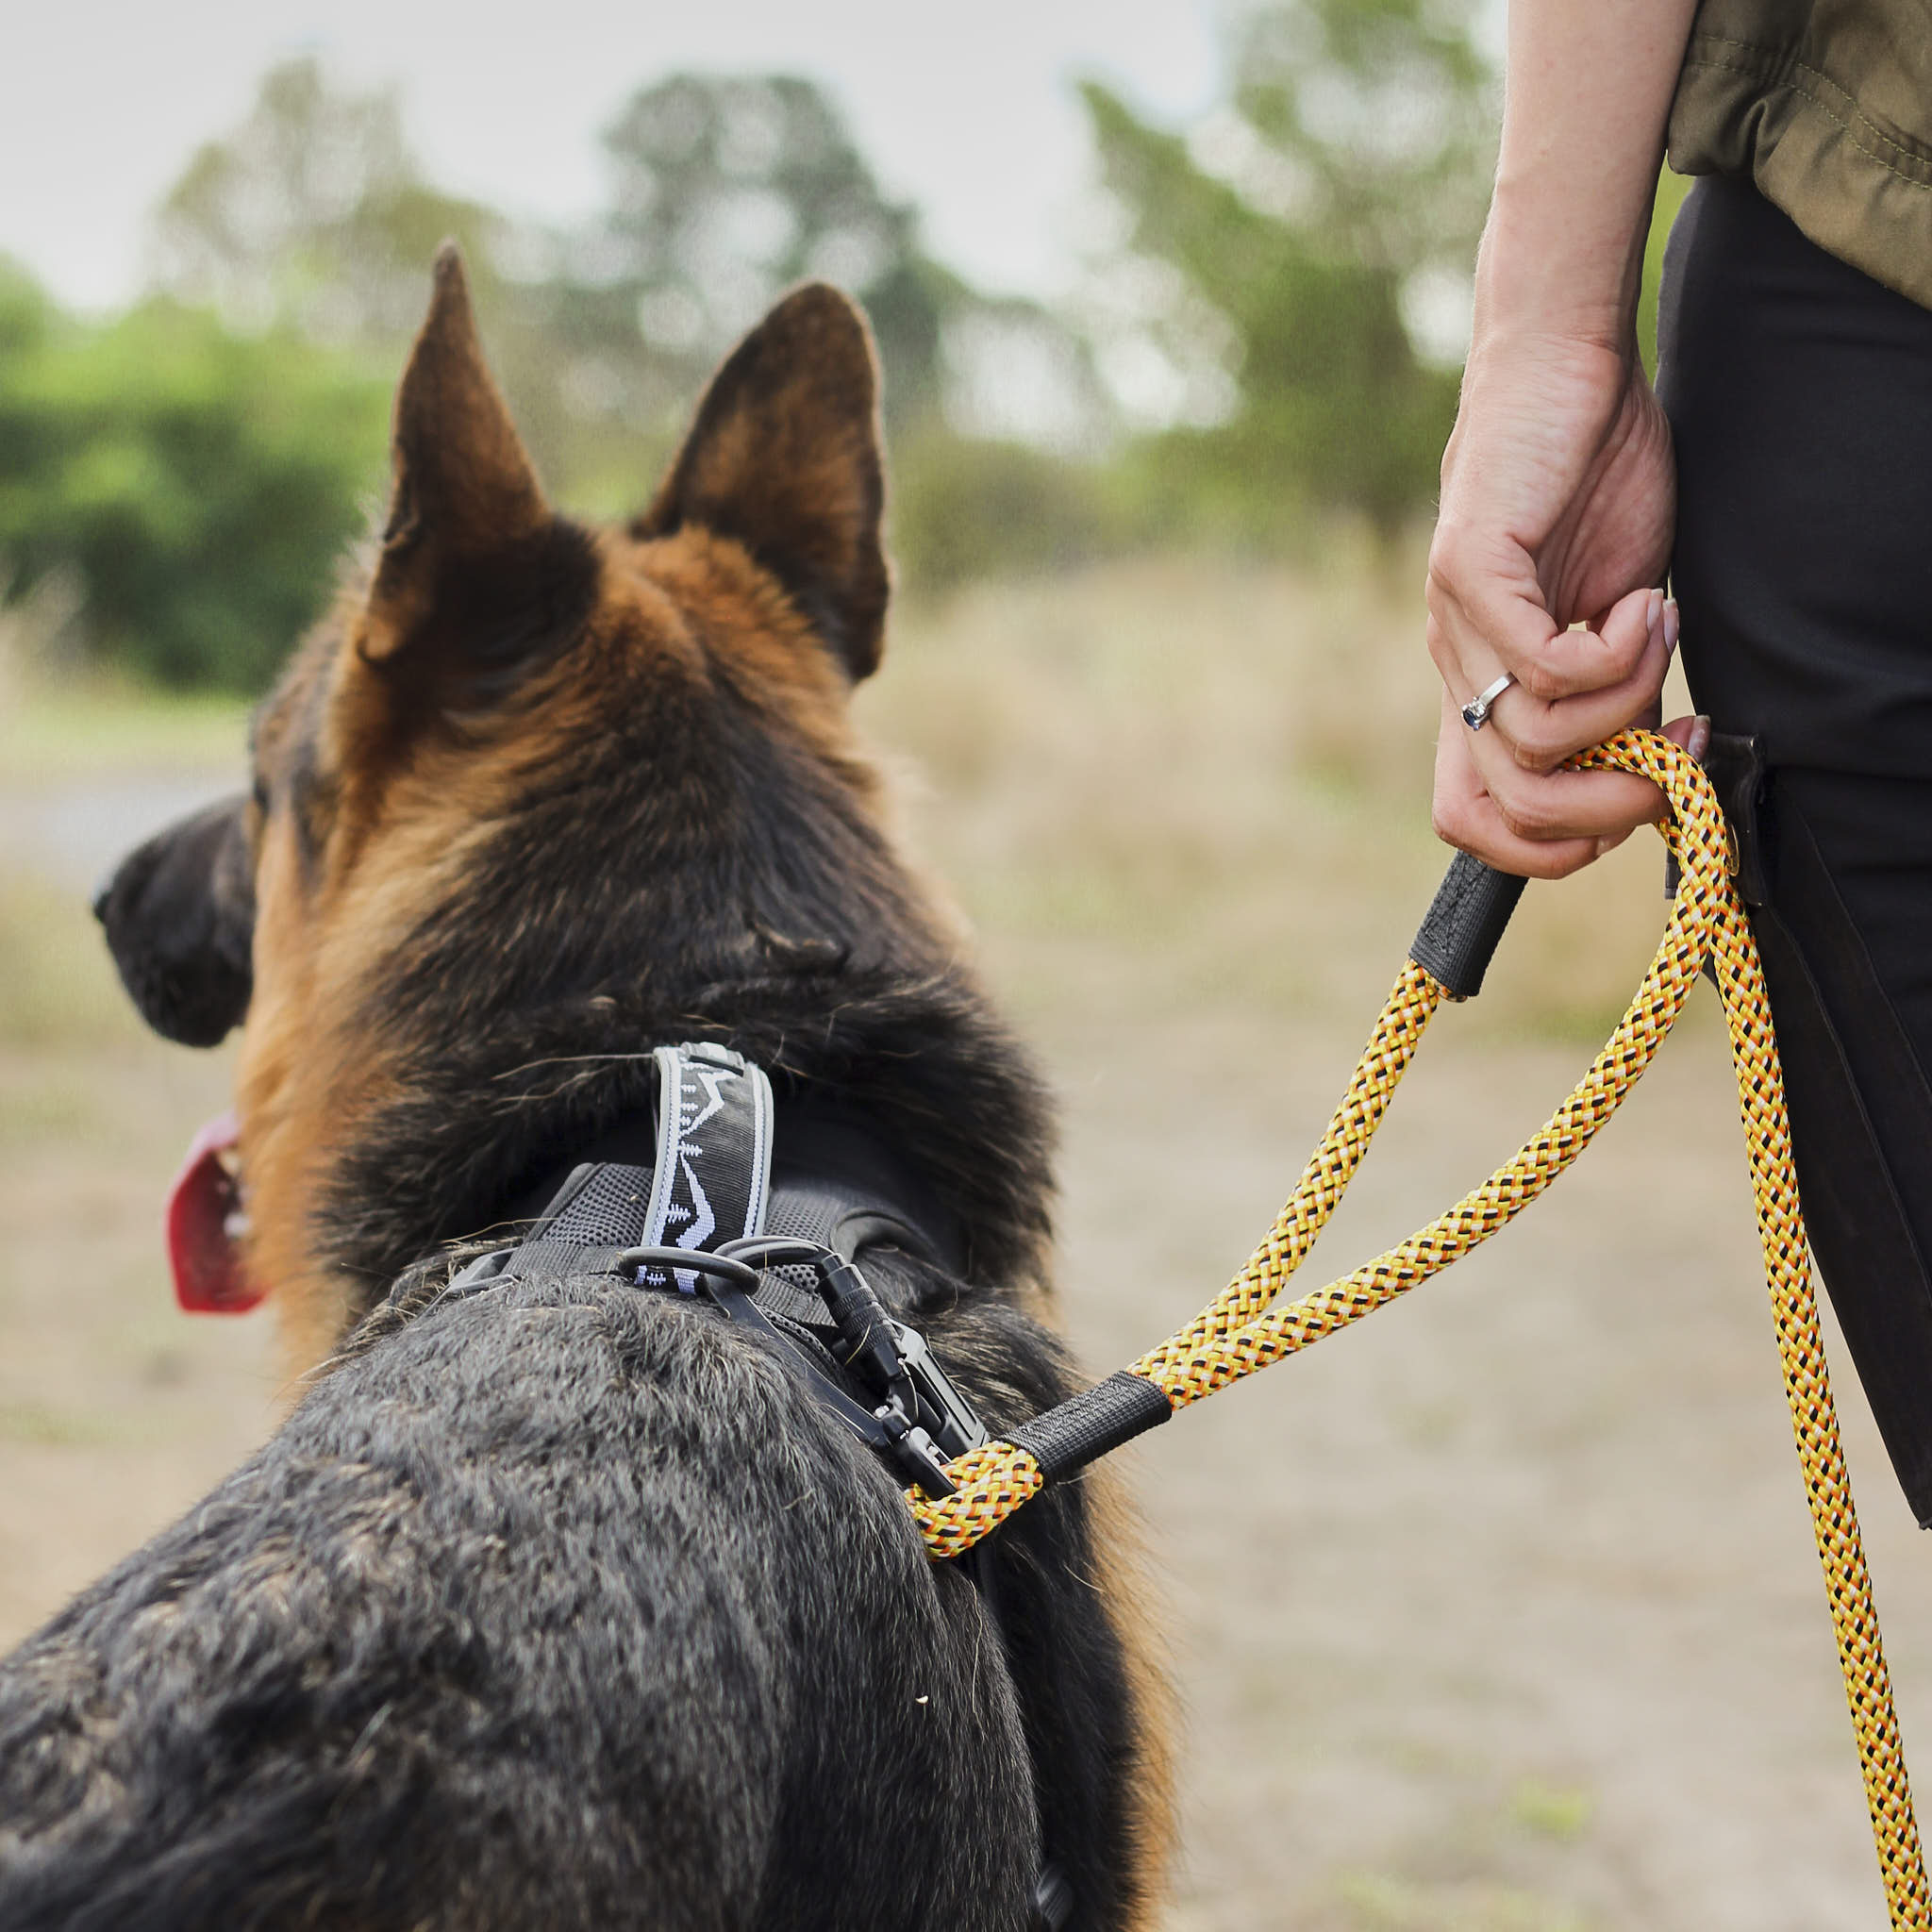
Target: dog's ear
x: 783, y: 455
x: 476, y: 568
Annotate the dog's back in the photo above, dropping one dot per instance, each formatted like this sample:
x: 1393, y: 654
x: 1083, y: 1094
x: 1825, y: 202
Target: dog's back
x: 570, y: 1610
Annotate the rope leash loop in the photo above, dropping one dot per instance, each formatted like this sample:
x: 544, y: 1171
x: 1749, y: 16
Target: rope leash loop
x: 1242, y: 1330
x: 1246, y: 1328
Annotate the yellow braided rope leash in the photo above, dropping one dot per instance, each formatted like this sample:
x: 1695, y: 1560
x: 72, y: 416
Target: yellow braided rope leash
x: 1242, y: 1329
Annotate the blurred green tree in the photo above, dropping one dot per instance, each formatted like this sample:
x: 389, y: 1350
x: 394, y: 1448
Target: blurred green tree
x: 725, y: 190
x: 313, y: 214
x: 201, y: 485
x: 728, y: 189
x: 1291, y: 275
x: 198, y: 465
x: 722, y: 191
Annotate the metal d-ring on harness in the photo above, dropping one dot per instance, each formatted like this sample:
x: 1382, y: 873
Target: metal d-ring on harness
x: 1246, y: 1328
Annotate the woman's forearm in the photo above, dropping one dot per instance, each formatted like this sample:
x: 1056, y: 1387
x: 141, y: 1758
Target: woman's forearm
x: 1586, y: 94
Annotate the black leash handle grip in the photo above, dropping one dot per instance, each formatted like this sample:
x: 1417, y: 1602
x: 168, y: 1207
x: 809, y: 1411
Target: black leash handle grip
x: 1085, y: 1427
x: 1465, y: 924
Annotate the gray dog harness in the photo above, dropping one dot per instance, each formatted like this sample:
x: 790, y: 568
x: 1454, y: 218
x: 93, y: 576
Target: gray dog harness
x: 709, y: 1184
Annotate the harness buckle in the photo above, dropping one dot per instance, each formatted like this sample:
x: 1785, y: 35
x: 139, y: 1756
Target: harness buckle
x: 914, y: 1450
x: 917, y: 1418
x: 953, y: 1420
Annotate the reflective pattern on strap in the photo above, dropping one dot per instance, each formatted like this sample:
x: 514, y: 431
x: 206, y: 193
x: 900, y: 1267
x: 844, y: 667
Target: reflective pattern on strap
x: 713, y: 1171
x: 1242, y: 1329
x: 710, y: 1182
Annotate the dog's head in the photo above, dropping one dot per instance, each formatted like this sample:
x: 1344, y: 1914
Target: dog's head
x: 527, y: 763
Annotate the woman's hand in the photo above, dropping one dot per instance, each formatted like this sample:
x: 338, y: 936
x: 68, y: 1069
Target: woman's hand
x: 1559, y: 496
x: 1558, y: 491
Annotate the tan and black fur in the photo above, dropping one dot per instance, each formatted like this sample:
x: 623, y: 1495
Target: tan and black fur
x: 567, y: 1605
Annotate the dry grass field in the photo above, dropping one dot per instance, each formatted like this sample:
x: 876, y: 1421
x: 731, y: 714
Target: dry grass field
x: 1497, y: 1614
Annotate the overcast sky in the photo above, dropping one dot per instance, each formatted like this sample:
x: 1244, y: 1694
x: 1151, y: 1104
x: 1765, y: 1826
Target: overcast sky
x: 967, y: 109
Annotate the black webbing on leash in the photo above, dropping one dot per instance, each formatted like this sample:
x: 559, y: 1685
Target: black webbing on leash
x: 1464, y: 924
x: 1088, y: 1425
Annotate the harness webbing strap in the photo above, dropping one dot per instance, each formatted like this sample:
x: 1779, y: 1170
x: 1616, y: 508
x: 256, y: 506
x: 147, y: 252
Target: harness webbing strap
x: 713, y: 1171
x: 709, y: 1184
x: 1242, y: 1329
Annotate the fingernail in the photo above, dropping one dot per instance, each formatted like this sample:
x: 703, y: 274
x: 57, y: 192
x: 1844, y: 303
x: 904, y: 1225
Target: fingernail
x: 1670, y: 620
x: 1652, y: 610
x: 1700, y: 736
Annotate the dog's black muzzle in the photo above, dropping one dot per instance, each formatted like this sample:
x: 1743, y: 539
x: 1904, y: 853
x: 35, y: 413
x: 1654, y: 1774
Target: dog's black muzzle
x: 179, y: 915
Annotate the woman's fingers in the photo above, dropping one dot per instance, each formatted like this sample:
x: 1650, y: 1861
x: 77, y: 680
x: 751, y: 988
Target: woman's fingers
x: 1536, y: 737
x: 1538, y: 734
x: 1464, y: 816
x: 1691, y: 734
x: 1565, y: 803
x: 1539, y: 825
x: 1485, y: 608
x: 1487, y: 613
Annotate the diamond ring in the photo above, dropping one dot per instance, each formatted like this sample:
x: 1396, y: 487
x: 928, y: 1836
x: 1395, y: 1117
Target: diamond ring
x: 1475, y: 714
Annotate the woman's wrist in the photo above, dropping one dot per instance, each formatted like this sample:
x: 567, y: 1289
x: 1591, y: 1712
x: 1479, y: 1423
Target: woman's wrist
x: 1558, y: 270
x: 1587, y: 96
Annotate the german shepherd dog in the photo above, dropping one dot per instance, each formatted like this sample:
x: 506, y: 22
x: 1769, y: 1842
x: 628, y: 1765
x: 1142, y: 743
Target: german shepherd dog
x: 568, y: 1604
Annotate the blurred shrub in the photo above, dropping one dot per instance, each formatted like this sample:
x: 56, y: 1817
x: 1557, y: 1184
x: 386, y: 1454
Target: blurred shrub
x: 201, y: 485
x: 963, y: 507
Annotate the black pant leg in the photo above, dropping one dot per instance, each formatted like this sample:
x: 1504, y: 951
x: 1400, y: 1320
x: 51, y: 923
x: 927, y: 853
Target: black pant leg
x: 1800, y: 396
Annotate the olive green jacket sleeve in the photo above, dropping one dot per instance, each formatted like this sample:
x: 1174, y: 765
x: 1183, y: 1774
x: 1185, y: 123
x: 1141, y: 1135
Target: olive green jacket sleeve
x: 1827, y: 106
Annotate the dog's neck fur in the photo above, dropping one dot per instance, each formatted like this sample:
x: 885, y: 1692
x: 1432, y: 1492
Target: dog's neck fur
x: 921, y: 1060
x: 704, y: 867
x: 739, y: 889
